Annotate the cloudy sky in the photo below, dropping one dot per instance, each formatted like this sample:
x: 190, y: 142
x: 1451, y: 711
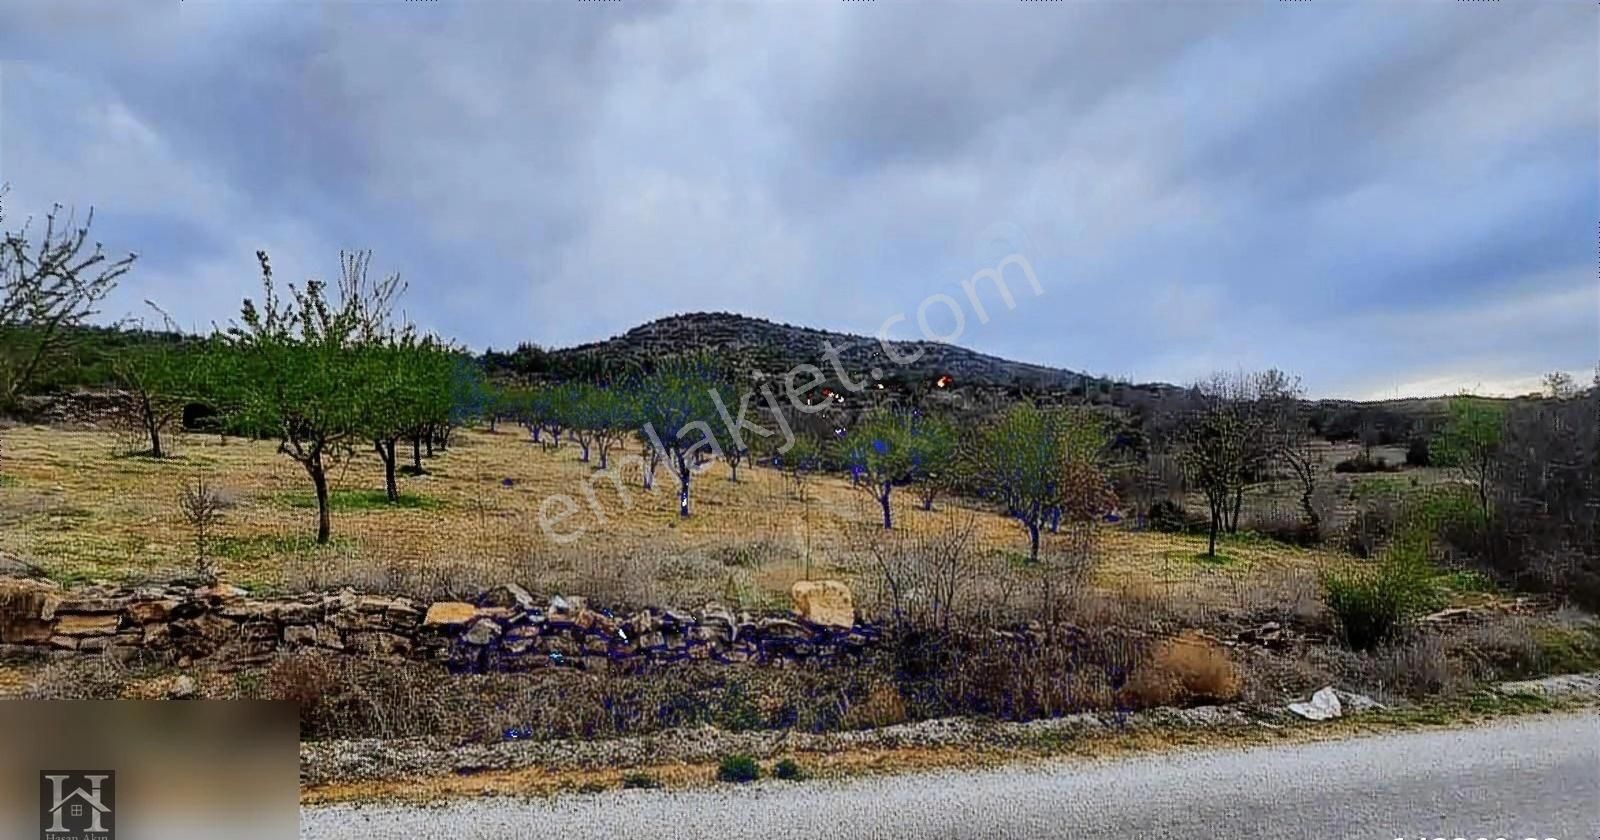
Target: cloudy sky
x: 1385, y: 198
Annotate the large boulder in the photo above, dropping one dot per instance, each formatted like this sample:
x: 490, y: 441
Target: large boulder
x: 824, y: 602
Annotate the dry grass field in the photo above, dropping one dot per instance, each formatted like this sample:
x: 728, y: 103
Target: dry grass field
x: 72, y: 504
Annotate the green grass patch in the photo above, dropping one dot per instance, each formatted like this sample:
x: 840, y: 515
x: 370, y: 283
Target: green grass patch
x: 1374, y: 486
x: 257, y: 547
x: 1218, y: 560
x: 1248, y: 539
x: 70, y: 578
x: 1569, y: 650
x: 9, y: 480
x: 1465, y: 581
x: 357, y: 500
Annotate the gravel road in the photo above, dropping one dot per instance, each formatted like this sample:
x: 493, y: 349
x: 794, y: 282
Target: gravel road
x: 1534, y: 777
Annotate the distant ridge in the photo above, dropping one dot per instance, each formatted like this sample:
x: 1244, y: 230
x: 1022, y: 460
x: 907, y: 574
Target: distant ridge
x: 774, y: 349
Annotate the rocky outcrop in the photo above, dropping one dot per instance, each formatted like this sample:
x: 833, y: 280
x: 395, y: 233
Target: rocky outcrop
x: 504, y: 630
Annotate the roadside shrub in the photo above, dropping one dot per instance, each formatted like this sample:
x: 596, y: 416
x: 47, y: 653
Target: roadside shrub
x: 1417, y: 668
x: 788, y: 770
x: 738, y: 769
x: 1186, y: 670
x: 882, y: 706
x: 1499, y: 650
x: 1372, y: 602
x: 639, y: 781
x: 1568, y: 650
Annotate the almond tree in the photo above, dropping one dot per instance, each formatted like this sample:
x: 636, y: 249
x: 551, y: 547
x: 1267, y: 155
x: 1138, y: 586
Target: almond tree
x: 901, y: 448
x: 295, y: 370
x: 676, y: 413
x: 48, y: 286
x: 406, y: 378
x: 159, y: 377
x: 1470, y: 441
x: 1033, y: 463
x: 1230, y: 437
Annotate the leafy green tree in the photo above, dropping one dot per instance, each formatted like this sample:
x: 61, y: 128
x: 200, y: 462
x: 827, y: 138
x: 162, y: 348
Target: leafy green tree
x: 581, y: 406
x: 612, y: 415
x: 675, y: 413
x: 886, y: 455
x: 404, y: 378
x: 294, y: 369
x: 1470, y: 441
x: 160, y: 377
x: 804, y: 459
x: 1034, y: 463
x: 934, y: 447
x: 901, y: 448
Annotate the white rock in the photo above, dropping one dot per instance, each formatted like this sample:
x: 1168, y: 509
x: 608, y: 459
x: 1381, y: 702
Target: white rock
x: 1324, y: 705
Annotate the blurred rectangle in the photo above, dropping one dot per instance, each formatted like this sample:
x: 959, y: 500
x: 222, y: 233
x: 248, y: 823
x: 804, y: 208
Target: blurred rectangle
x: 149, y: 769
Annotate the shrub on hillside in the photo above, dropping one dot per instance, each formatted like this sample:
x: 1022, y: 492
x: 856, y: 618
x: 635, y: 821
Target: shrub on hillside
x: 788, y: 770
x: 1372, y: 602
x: 738, y: 769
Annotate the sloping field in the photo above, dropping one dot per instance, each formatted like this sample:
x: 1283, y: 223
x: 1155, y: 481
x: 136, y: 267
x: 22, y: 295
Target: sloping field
x: 70, y: 503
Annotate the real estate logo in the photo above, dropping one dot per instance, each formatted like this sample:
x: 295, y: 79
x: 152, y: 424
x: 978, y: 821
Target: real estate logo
x: 77, y: 805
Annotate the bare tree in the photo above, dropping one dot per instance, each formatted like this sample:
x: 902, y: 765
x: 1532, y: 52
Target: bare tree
x: 47, y: 287
x: 1560, y: 385
x: 1230, y: 438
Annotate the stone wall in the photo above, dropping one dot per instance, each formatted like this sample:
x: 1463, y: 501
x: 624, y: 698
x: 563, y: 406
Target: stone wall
x: 505, y: 630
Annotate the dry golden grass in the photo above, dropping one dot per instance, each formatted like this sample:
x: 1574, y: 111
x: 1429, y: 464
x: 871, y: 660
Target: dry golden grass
x: 1184, y: 669
x: 76, y: 507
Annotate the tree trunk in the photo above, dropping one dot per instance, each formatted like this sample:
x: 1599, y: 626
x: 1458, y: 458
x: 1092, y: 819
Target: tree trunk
x: 319, y: 479
x: 493, y: 418
x: 1033, y: 541
x: 883, y: 499
x: 416, y: 453
x: 1216, y: 519
x: 1238, y: 502
x: 683, y: 487
x: 154, y: 428
x: 385, y: 450
x: 429, y: 436
x: 1310, y: 509
x: 583, y: 454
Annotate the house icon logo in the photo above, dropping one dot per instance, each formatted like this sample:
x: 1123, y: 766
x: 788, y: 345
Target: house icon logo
x: 77, y: 805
